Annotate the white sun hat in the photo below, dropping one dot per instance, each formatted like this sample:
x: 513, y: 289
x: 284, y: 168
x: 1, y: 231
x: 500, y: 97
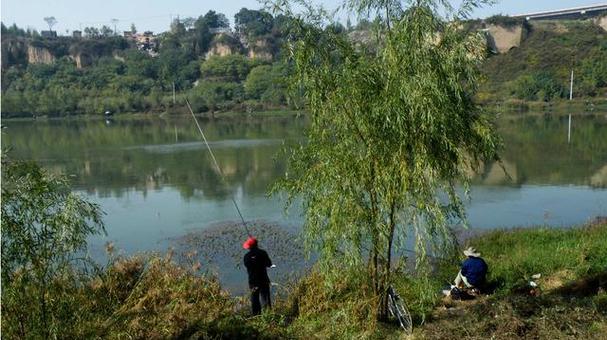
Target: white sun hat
x: 471, y: 252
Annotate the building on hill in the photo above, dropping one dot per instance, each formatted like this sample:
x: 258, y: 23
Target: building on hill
x: 77, y: 34
x: 145, y: 41
x: 48, y: 34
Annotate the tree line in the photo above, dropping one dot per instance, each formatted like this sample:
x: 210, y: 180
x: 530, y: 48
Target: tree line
x: 124, y: 79
x: 187, y: 61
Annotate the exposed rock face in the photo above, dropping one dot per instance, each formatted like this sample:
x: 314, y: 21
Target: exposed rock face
x: 263, y: 55
x: 260, y: 50
x: 39, y: 55
x: 602, y: 21
x: 219, y: 49
x: 502, y: 39
x: 82, y: 59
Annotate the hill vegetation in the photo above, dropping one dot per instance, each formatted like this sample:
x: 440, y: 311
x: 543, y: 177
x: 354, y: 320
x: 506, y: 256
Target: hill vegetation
x: 242, y: 69
x: 121, y: 78
x: 540, y: 68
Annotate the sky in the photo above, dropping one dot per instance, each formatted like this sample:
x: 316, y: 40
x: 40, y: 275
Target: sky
x: 156, y: 15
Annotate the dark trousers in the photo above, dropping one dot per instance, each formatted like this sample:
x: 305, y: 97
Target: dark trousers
x: 262, y: 291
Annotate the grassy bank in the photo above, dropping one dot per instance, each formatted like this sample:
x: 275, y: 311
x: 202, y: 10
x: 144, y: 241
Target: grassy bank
x: 154, y: 298
x: 569, y: 302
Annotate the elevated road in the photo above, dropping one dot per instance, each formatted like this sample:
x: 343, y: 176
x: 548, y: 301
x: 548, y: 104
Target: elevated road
x: 566, y: 13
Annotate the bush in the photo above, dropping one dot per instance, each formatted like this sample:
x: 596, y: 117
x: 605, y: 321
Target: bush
x: 233, y: 67
x: 44, y: 231
x: 540, y: 86
x: 504, y: 20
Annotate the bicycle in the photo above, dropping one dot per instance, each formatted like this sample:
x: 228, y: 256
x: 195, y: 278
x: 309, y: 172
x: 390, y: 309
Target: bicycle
x: 398, y: 310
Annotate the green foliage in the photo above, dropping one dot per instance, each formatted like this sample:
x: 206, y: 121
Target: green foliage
x: 233, y: 67
x: 258, y: 81
x: 504, y: 20
x: 267, y: 83
x: 216, y: 95
x: 344, y: 309
x: 540, y: 86
x: 14, y: 31
x: 388, y: 132
x: 252, y: 23
x: 177, y: 66
x: 118, y: 78
x: 540, y: 68
x: 44, y: 231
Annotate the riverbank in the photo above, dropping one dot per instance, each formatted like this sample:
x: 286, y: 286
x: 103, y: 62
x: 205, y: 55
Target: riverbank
x: 165, y: 114
x: 152, y: 297
x: 579, y: 106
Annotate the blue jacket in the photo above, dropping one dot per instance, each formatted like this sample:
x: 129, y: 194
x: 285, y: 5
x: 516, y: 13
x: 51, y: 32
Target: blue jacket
x: 475, y: 270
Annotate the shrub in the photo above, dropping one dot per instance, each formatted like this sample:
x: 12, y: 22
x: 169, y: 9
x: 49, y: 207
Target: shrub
x: 539, y: 86
x: 44, y: 232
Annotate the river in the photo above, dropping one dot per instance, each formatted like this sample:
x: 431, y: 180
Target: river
x: 155, y: 182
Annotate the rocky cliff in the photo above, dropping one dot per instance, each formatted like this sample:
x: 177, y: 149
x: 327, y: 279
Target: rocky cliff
x: 260, y: 49
x: 220, y: 49
x: 601, y: 21
x: 223, y: 44
x: 501, y: 39
x: 23, y: 51
x: 39, y: 55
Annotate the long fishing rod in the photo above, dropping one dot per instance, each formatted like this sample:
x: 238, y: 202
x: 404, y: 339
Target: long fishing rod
x: 204, y: 138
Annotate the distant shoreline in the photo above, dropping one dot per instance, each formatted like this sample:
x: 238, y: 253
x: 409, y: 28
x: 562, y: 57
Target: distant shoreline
x: 576, y: 107
x: 154, y: 115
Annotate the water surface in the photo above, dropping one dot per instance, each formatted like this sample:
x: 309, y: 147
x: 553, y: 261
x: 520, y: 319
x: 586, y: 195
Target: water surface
x: 154, y: 179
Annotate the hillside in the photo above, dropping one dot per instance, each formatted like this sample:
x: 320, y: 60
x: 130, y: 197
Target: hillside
x: 539, y: 69
x: 220, y: 68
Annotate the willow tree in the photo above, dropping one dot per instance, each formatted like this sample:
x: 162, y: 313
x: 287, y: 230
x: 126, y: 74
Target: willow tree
x: 394, y: 132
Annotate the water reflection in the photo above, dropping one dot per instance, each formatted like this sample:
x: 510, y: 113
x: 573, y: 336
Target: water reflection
x: 537, y: 151
x: 142, y: 155
x: 154, y: 178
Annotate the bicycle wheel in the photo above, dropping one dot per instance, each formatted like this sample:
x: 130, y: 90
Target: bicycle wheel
x: 399, y: 311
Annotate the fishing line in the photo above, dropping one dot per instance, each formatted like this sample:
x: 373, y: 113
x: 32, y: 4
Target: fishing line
x: 204, y: 138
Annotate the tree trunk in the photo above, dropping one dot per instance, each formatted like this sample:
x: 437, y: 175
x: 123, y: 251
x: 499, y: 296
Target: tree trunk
x: 387, y: 266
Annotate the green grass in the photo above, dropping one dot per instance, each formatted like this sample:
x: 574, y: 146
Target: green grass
x: 518, y: 255
x: 570, y: 302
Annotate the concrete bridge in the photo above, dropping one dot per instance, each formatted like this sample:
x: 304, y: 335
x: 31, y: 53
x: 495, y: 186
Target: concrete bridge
x: 567, y: 13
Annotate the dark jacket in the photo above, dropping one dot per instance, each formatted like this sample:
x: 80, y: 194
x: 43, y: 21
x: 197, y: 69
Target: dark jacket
x: 256, y: 261
x: 475, y: 270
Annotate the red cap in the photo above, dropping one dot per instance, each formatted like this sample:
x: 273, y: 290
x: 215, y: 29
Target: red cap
x: 250, y: 242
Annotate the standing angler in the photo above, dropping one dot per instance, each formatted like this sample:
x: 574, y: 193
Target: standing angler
x: 256, y: 261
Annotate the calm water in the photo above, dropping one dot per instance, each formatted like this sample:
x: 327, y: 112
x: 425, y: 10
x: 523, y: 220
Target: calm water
x: 154, y: 179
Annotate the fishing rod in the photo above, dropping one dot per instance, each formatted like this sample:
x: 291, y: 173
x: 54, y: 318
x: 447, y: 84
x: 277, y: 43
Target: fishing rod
x: 204, y: 138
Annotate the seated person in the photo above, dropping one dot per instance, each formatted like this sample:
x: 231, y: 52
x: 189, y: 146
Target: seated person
x: 473, y: 271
